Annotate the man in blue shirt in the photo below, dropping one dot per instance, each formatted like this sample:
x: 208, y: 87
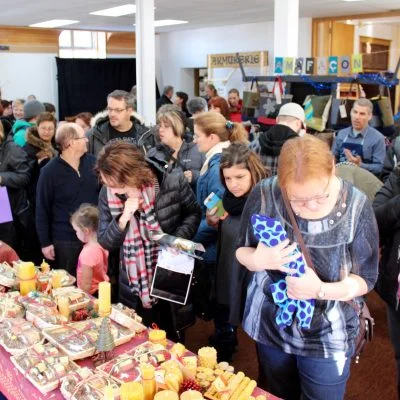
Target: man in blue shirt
x: 360, y: 143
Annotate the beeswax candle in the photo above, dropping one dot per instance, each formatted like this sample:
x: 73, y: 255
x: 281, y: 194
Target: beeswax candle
x: 131, y: 391
x: 27, y: 278
x: 148, y: 381
x: 104, y: 299
x: 158, y: 336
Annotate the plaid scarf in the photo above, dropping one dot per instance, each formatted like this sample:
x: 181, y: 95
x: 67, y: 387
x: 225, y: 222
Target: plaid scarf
x: 140, y: 252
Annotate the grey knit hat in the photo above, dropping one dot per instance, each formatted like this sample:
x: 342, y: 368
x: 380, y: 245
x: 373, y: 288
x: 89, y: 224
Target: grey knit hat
x: 32, y: 109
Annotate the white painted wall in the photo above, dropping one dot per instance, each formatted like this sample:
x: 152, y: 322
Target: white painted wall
x: 22, y: 74
x: 182, y: 50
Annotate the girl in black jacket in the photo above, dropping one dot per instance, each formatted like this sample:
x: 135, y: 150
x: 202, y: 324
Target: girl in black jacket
x: 137, y: 202
x: 387, y: 211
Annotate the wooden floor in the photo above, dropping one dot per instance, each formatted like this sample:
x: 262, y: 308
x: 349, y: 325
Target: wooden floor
x: 373, y: 378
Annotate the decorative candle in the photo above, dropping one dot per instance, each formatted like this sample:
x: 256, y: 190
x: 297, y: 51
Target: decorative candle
x: 131, y: 391
x: 108, y: 393
x: 148, y: 381
x: 27, y: 277
x: 191, y: 395
x: 44, y: 267
x: 63, y: 306
x: 207, y: 357
x: 158, y: 336
x: 56, y: 279
x: 104, y: 299
x: 166, y: 395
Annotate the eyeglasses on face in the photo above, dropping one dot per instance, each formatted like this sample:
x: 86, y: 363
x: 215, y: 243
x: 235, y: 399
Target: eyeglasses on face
x: 320, y: 199
x: 116, y: 110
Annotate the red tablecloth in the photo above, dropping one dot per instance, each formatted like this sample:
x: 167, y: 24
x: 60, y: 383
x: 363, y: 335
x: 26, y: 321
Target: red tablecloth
x: 15, y: 387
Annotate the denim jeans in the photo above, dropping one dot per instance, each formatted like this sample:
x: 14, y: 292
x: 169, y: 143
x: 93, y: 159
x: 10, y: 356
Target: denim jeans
x: 294, y: 377
x: 394, y: 333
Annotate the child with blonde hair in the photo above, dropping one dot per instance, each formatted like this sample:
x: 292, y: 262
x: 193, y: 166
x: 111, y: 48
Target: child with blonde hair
x: 93, y: 259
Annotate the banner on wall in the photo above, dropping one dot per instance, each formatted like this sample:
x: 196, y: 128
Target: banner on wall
x: 229, y: 60
x: 332, y: 65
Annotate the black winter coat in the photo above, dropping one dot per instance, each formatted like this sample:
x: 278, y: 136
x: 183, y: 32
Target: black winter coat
x: 99, y: 135
x: 387, y: 211
x: 14, y: 172
x: 177, y: 213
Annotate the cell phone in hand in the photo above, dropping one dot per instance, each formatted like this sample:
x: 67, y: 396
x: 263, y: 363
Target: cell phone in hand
x: 212, y: 201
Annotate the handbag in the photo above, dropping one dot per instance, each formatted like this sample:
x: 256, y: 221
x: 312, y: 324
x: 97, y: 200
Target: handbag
x: 270, y: 103
x: 382, y: 114
x: 366, y: 322
x: 251, y: 99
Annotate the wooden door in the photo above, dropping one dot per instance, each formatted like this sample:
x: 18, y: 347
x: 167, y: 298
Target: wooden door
x: 342, y: 39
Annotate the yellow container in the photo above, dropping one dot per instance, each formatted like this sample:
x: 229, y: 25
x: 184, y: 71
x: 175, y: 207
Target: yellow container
x: 56, y: 279
x: 27, y: 278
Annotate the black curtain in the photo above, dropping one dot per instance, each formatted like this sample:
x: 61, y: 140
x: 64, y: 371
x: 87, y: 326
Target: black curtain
x: 83, y: 84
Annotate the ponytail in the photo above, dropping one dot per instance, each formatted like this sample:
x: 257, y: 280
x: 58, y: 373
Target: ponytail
x: 236, y: 131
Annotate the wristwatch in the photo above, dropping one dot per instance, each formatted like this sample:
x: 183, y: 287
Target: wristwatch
x: 321, y: 293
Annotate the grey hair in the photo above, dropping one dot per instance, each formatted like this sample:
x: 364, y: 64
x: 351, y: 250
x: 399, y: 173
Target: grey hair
x: 167, y: 89
x: 65, y: 133
x: 197, y: 104
x: 129, y: 98
x: 364, y: 103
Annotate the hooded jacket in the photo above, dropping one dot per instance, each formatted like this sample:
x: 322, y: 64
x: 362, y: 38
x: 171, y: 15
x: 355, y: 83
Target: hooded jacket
x: 19, y: 131
x: 99, y: 135
x: 270, y: 145
x: 176, y: 210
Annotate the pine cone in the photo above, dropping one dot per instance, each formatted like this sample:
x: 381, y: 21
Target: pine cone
x: 190, y: 384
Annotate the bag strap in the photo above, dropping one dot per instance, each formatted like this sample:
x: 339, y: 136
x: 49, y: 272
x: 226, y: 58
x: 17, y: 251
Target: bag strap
x: 303, y: 247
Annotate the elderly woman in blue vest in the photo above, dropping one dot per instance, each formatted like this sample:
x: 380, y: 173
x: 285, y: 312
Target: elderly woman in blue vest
x: 305, y: 341
x: 360, y: 143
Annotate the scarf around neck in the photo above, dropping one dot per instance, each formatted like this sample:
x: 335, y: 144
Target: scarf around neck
x: 212, y: 152
x: 140, y: 251
x: 233, y: 205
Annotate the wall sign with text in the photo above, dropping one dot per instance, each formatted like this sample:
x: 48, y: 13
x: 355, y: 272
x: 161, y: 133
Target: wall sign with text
x: 229, y: 60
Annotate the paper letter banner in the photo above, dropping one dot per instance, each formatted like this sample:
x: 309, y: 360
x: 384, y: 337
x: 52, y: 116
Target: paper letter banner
x: 356, y: 63
x: 288, y: 65
x: 278, y: 65
x: 298, y: 67
x: 5, y: 208
x: 310, y: 66
x: 344, y: 65
x: 322, y: 67
x: 333, y: 65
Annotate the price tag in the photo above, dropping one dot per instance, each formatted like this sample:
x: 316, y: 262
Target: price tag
x: 343, y: 111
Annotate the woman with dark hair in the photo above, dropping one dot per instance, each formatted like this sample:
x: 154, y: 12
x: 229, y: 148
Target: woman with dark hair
x: 138, y: 201
x: 173, y: 150
x: 181, y: 101
x: 82, y: 119
x: 240, y: 170
x: 299, y: 317
x: 219, y: 105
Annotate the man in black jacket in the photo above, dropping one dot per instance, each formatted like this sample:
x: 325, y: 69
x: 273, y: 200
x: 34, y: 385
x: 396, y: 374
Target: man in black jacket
x: 166, y: 97
x: 290, y: 122
x: 119, y: 122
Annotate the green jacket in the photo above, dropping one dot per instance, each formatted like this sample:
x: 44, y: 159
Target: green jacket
x: 19, y: 131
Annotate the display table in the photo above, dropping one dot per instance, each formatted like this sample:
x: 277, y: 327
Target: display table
x: 15, y: 387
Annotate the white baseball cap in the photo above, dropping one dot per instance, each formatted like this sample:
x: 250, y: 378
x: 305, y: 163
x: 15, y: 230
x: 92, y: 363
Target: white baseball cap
x: 293, y: 110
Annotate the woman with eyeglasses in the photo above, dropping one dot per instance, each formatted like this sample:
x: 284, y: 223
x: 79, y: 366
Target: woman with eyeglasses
x: 305, y: 352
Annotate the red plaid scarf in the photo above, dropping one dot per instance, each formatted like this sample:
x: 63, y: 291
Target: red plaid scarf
x: 140, y: 252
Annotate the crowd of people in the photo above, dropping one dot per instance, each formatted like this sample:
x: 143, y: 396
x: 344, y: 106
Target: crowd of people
x: 92, y: 195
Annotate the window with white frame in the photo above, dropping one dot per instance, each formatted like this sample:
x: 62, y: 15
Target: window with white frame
x: 82, y: 44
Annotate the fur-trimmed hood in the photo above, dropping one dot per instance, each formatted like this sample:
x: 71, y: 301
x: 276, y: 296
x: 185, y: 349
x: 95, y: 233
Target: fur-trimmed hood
x: 41, y: 147
x: 103, y: 115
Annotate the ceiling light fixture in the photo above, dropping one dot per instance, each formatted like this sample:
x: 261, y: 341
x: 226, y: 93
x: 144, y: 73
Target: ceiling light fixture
x: 351, y: 1
x: 116, y: 11
x: 54, y: 23
x: 167, y: 22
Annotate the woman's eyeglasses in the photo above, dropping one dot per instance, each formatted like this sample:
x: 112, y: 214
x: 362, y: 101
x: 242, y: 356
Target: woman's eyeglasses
x: 320, y: 199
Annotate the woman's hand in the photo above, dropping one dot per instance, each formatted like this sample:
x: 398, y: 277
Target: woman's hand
x: 130, y: 207
x: 213, y: 219
x: 49, y: 252
x: 305, y: 287
x: 274, y: 258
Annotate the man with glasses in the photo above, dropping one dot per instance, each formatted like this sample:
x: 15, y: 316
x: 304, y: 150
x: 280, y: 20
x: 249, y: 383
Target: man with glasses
x: 64, y: 184
x: 119, y: 122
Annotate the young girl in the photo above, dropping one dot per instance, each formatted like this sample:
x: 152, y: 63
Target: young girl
x: 93, y: 259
